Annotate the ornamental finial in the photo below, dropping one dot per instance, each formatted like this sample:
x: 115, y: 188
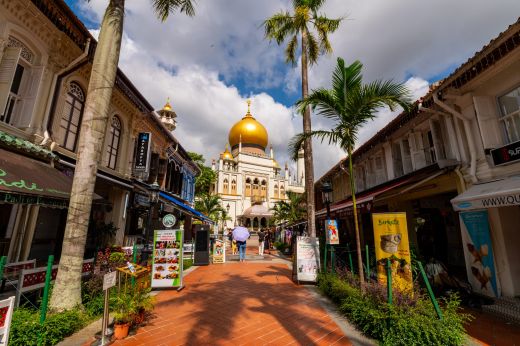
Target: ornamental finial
x: 248, y: 106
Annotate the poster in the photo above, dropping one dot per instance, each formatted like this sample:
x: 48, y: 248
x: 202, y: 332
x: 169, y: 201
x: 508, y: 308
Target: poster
x: 167, y: 258
x: 478, y: 252
x: 332, y: 232
x: 219, y: 251
x: 307, y: 258
x: 391, y: 241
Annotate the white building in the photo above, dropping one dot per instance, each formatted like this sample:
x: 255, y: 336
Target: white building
x: 249, y: 180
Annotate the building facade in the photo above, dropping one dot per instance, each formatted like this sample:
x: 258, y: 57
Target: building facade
x: 249, y: 180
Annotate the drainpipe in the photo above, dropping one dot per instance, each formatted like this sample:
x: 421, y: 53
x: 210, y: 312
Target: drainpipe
x: 469, y: 135
x: 56, y: 85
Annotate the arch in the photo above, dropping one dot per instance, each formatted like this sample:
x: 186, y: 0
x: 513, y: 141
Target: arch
x: 248, y: 187
x: 276, y: 193
x: 113, y: 141
x: 248, y: 222
x: 255, y: 223
x: 263, y: 222
x: 282, y: 191
x: 263, y: 187
x: 71, y: 116
x: 256, y: 187
x: 233, y: 187
x: 226, y: 186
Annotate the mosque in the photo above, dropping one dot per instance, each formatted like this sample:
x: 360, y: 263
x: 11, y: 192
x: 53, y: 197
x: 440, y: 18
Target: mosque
x: 250, y: 180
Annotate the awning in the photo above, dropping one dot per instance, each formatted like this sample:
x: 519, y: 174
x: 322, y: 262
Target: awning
x: 21, y: 175
x: 493, y: 194
x: 184, y: 207
x: 121, y: 182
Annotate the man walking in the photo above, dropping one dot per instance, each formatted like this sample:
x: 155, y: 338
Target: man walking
x: 261, y: 238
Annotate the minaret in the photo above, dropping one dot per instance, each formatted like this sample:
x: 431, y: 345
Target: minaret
x: 168, y: 116
x: 213, y: 165
x: 286, y: 172
x: 300, y: 167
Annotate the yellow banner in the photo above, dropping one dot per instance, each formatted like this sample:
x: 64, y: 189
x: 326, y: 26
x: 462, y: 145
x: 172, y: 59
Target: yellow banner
x: 391, y: 241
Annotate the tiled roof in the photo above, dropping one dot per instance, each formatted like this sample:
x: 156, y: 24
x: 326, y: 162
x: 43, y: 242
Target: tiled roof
x: 26, y: 147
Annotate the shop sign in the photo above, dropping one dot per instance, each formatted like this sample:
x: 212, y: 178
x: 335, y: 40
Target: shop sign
x: 109, y: 280
x: 307, y: 258
x: 506, y: 154
x: 478, y: 252
x: 391, y: 242
x: 332, y: 232
x: 219, y: 251
x: 12, y: 198
x: 169, y: 220
x: 142, y: 156
x: 167, y: 258
x: 141, y: 200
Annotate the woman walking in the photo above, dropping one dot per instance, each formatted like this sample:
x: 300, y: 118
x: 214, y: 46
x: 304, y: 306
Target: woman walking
x: 241, y: 234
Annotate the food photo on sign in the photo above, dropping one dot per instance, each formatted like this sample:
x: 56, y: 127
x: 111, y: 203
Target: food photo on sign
x: 167, y: 259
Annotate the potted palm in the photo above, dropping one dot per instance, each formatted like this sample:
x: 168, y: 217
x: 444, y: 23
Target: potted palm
x: 144, y: 302
x: 124, y: 309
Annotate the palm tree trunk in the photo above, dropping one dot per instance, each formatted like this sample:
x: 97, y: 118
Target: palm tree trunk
x: 67, y: 289
x: 307, y: 145
x: 356, y: 224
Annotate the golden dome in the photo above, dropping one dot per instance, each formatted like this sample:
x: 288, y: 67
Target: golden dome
x: 226, y: 155
x: 249, y: 131
x: 276, y: 164
x: 167, y: 106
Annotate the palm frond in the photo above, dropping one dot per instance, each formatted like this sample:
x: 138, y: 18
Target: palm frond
x: 346, y: 79
x: 321, y: 100
x: 290, y: 50
x: 297, y: 141
x: 279, y: 26
x: 313, y: 47
x: 163, y: 8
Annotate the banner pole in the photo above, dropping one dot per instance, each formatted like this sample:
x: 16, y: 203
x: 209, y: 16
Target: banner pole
x: 389, y: 281
x: 325, y: 269
x: 333, y: 258
x: 45, y: 299
x: 430, y: 291
x: 367, y: 255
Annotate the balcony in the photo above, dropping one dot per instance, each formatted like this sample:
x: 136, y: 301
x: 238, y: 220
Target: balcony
x: 257, y: 199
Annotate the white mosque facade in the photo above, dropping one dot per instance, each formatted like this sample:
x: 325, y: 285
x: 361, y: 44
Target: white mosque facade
x: 249, y: 180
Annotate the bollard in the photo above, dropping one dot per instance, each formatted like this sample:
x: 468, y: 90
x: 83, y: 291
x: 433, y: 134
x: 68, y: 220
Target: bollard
x: 430, y: 292
x: 45, y: 299
x: 333, y: 258
x: 389, y: 280
x: 367, y: 255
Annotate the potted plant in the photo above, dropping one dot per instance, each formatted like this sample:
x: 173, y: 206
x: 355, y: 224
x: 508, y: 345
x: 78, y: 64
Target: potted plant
x: 143, y: 302
x: 124, y: 310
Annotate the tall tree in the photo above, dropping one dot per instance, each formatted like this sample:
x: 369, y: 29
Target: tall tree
x: 290, y: 210
x: 206, y: 178
x: 349, y: 104
x: 211, y: 206
x: 67, y: 289
x: 313, y: 30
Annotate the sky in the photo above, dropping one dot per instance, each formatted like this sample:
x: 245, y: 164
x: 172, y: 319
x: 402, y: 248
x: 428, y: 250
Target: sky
x: 210, y: 64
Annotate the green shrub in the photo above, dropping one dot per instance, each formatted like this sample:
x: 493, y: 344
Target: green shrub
x: 187, y: 262
x: 410, y: 321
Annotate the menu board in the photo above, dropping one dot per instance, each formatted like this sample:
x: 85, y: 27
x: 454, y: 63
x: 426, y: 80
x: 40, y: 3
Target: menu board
x: 167, y: 258
x: 307, y: 258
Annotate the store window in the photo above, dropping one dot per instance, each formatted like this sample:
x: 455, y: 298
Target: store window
x: 114, y: 138
x: 71, y: 117
x: 510, y: 114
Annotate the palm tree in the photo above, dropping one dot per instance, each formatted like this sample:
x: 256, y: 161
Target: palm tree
x: 350, y: 104
x: 211, y: 206
x: 67, y: 287
x: 291, y: 210
x: 314, y: 29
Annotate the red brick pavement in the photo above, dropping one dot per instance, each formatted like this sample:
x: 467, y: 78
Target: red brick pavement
x: 492, y: 331
x: 238, y: 304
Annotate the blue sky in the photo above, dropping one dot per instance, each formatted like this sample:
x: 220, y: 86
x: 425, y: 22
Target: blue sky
x: 210, y: 64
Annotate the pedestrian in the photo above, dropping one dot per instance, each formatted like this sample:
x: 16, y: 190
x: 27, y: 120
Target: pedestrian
x: 267, y: 241
x: 261, y: 237
x: 241, y: 250
x: 234, y: 247
x: 241, y: 234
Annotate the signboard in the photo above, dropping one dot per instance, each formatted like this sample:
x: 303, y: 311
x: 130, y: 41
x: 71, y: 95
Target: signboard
x: 391, y: 242
x: 6, y: 315
x: 142, y: 152
x: 109, y: 280
x: 169, y: 220
x: 307, y: 258
x: 187, y: 248
x: 478, y: 252
x: 506, y: 154
x: 219, y: 251
x: 142, y: 200
x: 167, y: 258
x: 332, y: 232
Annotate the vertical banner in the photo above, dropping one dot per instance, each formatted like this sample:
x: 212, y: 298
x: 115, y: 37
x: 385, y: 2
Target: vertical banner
x: 332, y: 232
x: 307, y: 258
x: 219, y: 251
x: 478, y: 252
x: 167, y: 258
x: 391, y: 241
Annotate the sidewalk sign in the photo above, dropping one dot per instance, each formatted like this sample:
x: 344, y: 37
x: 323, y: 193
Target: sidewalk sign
x: 167, y: 265
x: 109, y: 281
x: 6, y: 314
x: 332, y: 232
x: 391, y: 242
x: 307, y: 258
x: 219, y: 251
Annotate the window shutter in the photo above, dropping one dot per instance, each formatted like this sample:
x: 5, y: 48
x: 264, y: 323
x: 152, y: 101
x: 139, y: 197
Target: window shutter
x: 487, y: 116
x: 437, y: 139
x: 30, y: 97
x: 416, y: 142
x: 7, y: 70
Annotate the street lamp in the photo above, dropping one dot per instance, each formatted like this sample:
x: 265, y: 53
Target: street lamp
x: 326, y: 192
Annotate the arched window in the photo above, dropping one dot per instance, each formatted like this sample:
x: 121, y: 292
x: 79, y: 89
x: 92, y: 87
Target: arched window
x: 233, y: 187
x: 71, y: 117
x: 114, y: 137
x: 248, y: 187
x: 226, y: 186
x: 256, y: 187
x: 276, y: 190
x: 282, y: 191
x: 263, y: 188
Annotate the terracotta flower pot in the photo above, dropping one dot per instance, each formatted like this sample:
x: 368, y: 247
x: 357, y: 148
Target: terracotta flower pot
x: 121, y: 330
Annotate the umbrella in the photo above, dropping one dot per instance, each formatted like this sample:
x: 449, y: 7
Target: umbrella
x: 240, y: 233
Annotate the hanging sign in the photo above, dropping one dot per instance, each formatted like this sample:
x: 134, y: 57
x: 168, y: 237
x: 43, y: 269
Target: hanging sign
x: 167, y: 258
x: 391, y: 242
x: 332, y: 232
x: 307, y: 258
x: 169, y: 220
x: 219, y: 251
x: 478, y: 252
x: 142, y: 152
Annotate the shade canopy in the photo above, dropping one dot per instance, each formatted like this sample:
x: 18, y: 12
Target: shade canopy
x: 493, y: 194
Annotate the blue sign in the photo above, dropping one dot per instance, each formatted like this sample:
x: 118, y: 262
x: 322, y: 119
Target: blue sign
x: 142, y: 152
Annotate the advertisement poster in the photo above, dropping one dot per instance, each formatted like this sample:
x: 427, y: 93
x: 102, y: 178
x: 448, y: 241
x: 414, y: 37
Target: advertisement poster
x: 307, y: 258
x: 167, y: 258
x: 391, y: 241
x: 332, y: 232
x: 219, y: 251
x: 478, y: 252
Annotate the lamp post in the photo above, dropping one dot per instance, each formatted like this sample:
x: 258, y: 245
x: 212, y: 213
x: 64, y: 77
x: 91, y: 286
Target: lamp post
x: 153, y: 198
x: 326, y: 194
x: 225, y: 221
